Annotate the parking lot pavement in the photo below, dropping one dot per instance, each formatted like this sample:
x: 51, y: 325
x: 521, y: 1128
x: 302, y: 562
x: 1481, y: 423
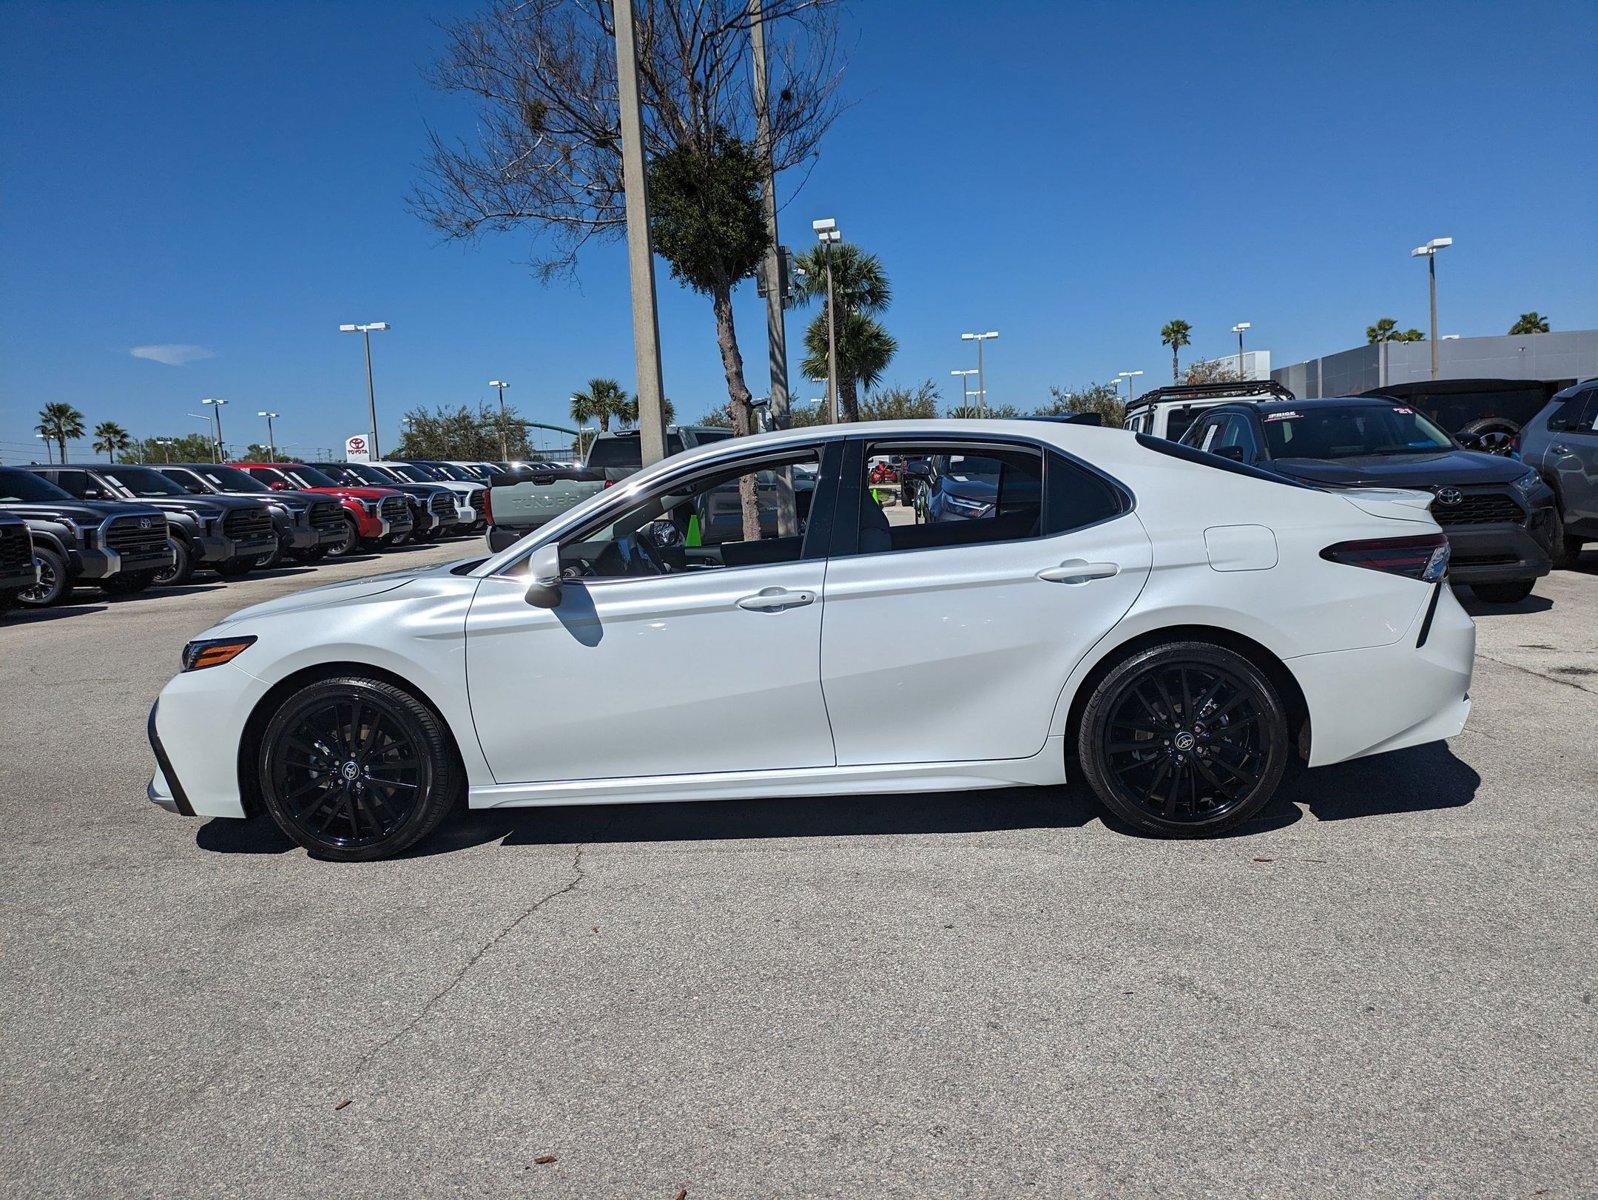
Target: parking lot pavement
x: 1383, y: 987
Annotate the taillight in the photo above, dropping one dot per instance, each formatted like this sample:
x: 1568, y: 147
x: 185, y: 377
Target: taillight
x: 488, y: 505
x: 608, y: 483
x: 1424, y: 557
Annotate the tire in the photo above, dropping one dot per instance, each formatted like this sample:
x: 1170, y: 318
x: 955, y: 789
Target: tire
x: 8, y: 601
x: 235, y: 568
x: 54, y: 585
x: 350, y: 543
x: 1565, y: 549
x: 128, y: 583
x: 1504, y: 593
x: 347, y: 800
x: 182, y: 568
x: 270, y: 559
x: 1494, y: 433
x: 398, y: 539
x: 1226, y: 752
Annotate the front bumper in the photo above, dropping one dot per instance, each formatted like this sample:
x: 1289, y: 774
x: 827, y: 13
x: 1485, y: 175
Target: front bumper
x: 302, y: 537
x: 19, y: 580
x: 163, y: 788
x: 1500, y: 553
x: 215, y: 548
x: 100, y: 564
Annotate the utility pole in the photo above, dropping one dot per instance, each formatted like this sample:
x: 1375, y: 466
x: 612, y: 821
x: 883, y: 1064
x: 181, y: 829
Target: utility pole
x: 771, y: 268
x: 640, y: 262
x: 504, y: 444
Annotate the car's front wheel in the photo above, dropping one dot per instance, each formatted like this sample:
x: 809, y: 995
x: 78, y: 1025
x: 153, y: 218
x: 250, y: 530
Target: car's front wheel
x: 355, y: 769
x: 54, y: 583
x: 1184, y: 739
x: 348, y: 543
x: 182, y: 568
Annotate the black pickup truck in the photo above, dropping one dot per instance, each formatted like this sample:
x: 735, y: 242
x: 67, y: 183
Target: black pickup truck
x: 120, y: 547
x: 226, y: 533
x: 308, y: 525
x: 17, y: 572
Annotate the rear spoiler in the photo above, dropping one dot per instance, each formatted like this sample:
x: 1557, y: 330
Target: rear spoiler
x: 543, y: 475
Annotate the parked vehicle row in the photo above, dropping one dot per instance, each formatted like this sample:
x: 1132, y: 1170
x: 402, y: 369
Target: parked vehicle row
x: 124, y: 528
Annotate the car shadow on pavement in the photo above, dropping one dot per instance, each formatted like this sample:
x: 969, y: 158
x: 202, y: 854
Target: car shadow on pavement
x: 1480, y: 608
x: 1415, y: 780
x: 32, y: 616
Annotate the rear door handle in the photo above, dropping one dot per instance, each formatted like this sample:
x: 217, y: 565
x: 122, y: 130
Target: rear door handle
x: 1076, y: 570
x: 775, y: 599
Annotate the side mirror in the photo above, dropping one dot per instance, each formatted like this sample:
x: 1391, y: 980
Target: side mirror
x: 277, y: 485
x: 1235, y: 453
x: 544, y: 590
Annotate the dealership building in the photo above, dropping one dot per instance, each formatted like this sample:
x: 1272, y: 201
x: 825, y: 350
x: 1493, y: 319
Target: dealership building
x: 1561, y: 358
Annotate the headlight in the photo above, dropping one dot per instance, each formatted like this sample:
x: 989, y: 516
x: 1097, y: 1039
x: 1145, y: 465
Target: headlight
x: 1529, y: 483
x: 972, y: 507
x: 214, y: 652
x: 372, y: 506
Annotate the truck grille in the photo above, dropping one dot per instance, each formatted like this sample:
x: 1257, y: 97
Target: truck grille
x: 134, y: 537
x: 442, y: 506
x: 248, y: 525
x: 326, y: 518
x: 396, y: 511
x: 479, y: 499
x: 16, y: 549
x: 1479, y: 508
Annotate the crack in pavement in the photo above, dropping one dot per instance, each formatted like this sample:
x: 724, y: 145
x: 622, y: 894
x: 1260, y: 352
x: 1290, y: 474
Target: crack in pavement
x: 1580, y: 687
x: 578, y: 875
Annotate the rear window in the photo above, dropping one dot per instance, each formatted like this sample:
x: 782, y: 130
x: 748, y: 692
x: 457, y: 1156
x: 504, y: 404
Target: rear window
x: 626, y: 450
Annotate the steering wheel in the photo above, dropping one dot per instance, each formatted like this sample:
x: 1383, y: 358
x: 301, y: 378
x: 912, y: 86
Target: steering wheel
x: 644, y: 552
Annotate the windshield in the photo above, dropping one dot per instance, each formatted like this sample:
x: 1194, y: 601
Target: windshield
x: 25, y: 485
x: 1351, y: 432
x: 309, y: 477
x: 143, y: 482
x: 231, y: 479
x: 359, y: 473
x: 450, y: 471
x: 408, y: 472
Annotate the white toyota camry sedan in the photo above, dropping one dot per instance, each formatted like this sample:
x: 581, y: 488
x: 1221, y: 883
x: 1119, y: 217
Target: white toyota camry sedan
x: 746, y: 620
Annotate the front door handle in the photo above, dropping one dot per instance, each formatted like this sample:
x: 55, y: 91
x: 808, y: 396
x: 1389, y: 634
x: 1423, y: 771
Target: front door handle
x: 1558, y: 449
x: 775, y: 599
x: 1076, y: 570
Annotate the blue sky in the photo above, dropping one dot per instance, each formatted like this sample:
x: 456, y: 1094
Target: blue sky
x: 230, y: 177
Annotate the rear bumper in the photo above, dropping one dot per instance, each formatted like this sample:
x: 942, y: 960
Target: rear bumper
x: 1500, y: 553
x: 1387, y: 697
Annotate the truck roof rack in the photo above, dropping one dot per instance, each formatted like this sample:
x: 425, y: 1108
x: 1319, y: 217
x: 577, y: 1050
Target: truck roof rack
x: 1240, y: 388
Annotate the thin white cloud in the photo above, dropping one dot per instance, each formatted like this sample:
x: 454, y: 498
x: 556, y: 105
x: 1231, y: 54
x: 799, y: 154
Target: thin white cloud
x: 172, y: 355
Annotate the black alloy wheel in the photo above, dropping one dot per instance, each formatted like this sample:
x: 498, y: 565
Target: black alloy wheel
x: 54, y: 581
x: 182, y: 567
x: 271, y: 558
x: 1187, y: 739
x: 347, y: 544
x: 355, y: 769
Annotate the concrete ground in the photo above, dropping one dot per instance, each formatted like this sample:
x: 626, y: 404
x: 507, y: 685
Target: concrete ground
x: 1382, y: 988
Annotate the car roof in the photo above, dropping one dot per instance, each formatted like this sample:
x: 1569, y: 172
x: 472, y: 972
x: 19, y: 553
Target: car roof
x: 1279, y: 406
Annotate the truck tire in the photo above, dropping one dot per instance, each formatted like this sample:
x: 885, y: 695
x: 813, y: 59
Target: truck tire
x: 182, y: 568
x: 54, y: 582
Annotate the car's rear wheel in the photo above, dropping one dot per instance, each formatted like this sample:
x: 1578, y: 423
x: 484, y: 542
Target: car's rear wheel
x: 270, y: 559
x: 355, y: 769
x: 54, y: 582
x: 1493, y: 434
x: 1504, y: 593
x: 1184, y: 739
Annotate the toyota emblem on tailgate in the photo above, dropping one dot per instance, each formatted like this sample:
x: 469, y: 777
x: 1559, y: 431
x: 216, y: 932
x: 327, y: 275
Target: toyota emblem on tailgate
x: 1450, y: 495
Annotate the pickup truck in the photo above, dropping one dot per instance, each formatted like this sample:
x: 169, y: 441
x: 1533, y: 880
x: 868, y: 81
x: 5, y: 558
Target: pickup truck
x: 525, y: 497
x: 17, y: 570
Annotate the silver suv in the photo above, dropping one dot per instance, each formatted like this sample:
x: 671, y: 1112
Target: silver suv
x: 1561, y: 443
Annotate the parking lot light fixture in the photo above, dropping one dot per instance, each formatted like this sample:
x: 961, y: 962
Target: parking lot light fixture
x: 965, y: 385
x: 982, y: 387
x: 1238, y: 329
x: 828, y: 234
x: 366, y: 331
x: 1429, y: 253
x: 49, y: 454
x: 271, y: 439
x: 216, y: 414
x: 1128, y: 376
x: 504, y: 445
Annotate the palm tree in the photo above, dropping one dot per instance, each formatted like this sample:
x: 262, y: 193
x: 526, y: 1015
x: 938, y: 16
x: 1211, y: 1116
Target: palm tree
x: 1532, y: 322
x: 860, y: 290
x: 865, y: 349
x: 604, y: 401
x: 629, y: 410
x: 110, y: 439
x: 59, y: 422
x: 1175, y: 335
x: 1386, y: 330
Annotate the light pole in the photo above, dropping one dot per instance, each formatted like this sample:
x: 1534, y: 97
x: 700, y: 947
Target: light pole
x: 504, y: 446
x: 1127, y: 375
x: 827, y: 233
x: 271, y: 439
x: 1429, y: 253
x: 1238, y: 329
x: 640, y: 261
x: 965, y: 386
x: 49, y: 454
x: 366, y: 332
x: 216, y: 415
x: 166, y: 448
x: 982, y: 387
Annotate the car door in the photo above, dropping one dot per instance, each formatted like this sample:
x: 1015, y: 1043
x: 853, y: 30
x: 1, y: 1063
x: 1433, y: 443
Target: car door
x: 1571, y: 459
x: 952, y: 641
x: 710, y: 666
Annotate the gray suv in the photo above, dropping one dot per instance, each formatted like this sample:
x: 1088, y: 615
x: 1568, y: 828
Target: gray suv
x: 1561, y: 444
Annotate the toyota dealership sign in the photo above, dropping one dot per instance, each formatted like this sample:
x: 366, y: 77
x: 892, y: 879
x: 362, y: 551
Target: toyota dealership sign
x: 358, y: 448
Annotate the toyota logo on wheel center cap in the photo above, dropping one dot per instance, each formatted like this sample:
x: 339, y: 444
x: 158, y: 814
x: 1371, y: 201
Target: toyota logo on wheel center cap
x: 1184, y: 741
x: 350, y: 770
